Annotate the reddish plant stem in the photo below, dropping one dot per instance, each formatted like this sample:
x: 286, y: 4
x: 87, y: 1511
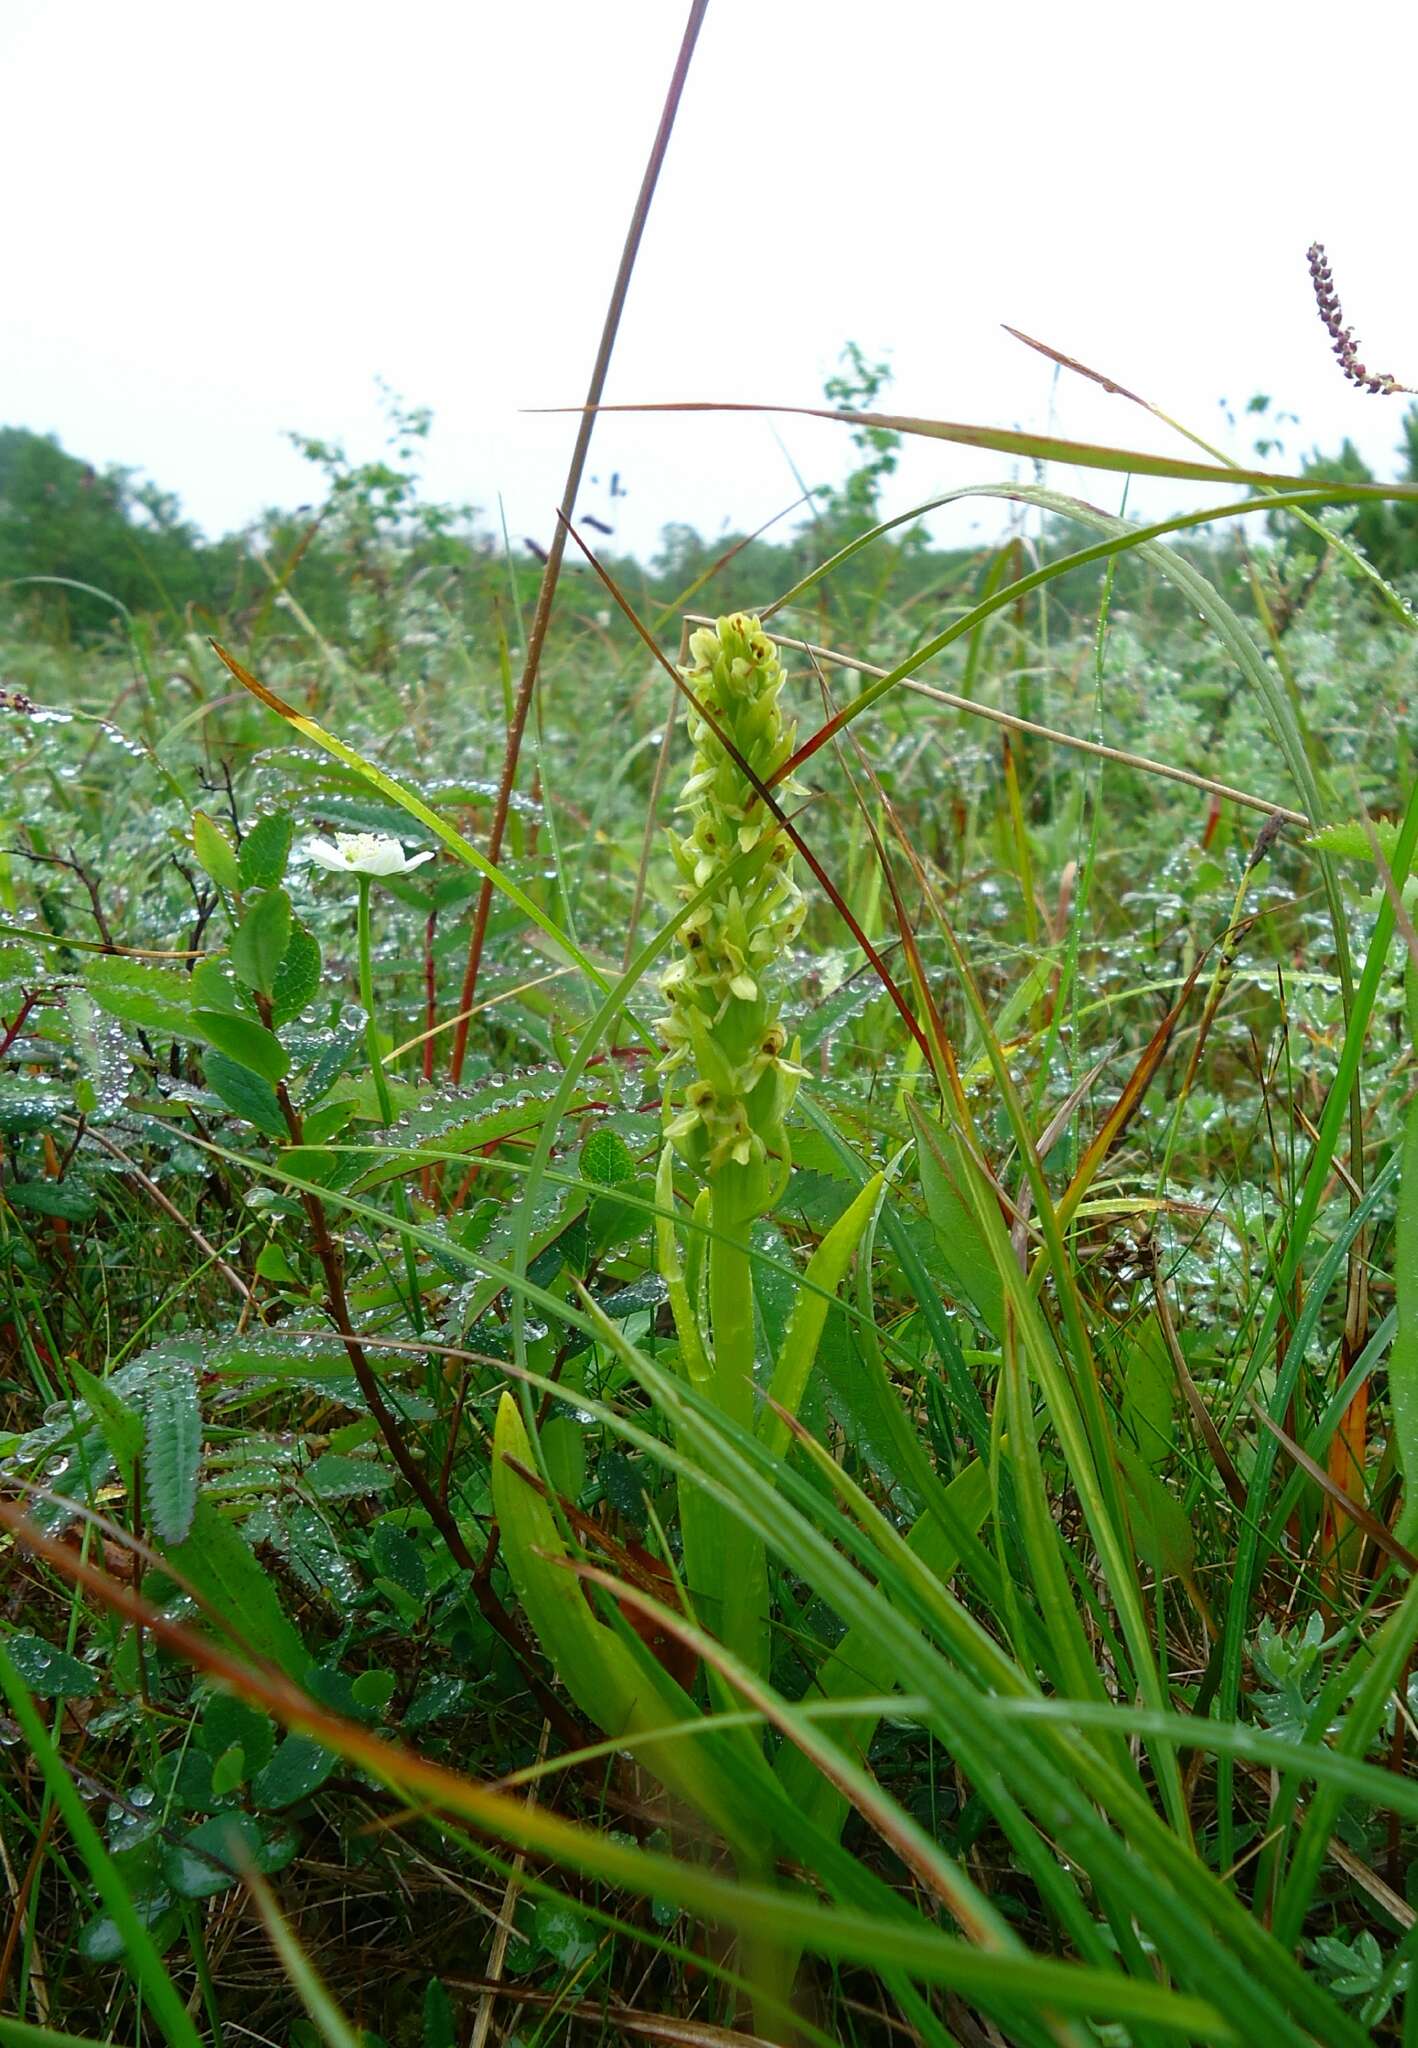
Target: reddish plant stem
x: 12, y: 1031
x: 332, y: 1266
x: 541, y: 618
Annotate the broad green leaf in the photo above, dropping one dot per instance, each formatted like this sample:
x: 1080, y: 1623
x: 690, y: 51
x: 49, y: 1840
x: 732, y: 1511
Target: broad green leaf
x: 825, y: 1272
x: 102, y: 1940
x: 245, y: 1093
x: 30, y: 1105
x: 214, y: 1855
x: 563, y: 1441
x: 172, y: 1449
x: 265, y: 851
x: 259, y: 943
x: 242, y: 1039
x: 398, y: 1558
x: 215, y: 987
x: 102, y: 1052
x: 1149, y: 1392
x: 623, y: 1696
x: 215, y: 853
x: 228, y: 1771
x: 229, y: 1723
x: 563, y: 1934
x: 373, y: 1690
x: 1161, y: 1527
x: 944, y: 1166
x: 298, y: 1768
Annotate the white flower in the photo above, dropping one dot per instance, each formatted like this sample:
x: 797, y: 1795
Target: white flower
x: 361, y: 853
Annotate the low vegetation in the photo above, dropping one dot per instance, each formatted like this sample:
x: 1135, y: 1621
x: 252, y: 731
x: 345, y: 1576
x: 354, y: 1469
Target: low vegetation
x: 787, y: 1410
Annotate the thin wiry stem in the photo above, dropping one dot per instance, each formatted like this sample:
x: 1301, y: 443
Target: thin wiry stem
x: 541, y: 618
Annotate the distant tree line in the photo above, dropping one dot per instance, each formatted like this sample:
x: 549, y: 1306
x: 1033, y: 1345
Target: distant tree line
x: 371, y: 536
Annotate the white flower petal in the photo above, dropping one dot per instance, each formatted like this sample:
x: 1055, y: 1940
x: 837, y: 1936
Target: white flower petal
x: 362, y: 853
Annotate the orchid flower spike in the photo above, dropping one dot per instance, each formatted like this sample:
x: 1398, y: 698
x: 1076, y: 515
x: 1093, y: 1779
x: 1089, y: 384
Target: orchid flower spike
x: 362, y: 853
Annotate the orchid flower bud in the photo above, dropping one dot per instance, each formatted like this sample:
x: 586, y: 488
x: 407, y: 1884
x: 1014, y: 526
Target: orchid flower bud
x: 729, y: 1070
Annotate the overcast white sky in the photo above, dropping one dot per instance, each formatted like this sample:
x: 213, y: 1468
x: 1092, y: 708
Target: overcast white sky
x: 225, y: 220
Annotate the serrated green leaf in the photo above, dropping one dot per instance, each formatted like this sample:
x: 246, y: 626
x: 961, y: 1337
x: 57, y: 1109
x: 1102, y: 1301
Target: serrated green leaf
x: 50, y: 1674
x: 259, y: 943
x: 245, y: 1093
x: 216, y: 855
x: 335, y: 1478
x: 606, y: 1160
x: 138, y: 993
x: 298, y: 976
x: 172, y: 1450
x: 218, y: 1561
x: 265, y: 851
x: 1351, y: 842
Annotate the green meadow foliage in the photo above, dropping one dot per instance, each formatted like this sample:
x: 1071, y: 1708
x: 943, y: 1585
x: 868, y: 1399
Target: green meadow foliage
x: 852, y: 1477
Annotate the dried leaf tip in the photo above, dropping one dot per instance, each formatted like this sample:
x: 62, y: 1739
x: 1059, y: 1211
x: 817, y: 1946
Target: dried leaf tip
x: 249, y: 682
